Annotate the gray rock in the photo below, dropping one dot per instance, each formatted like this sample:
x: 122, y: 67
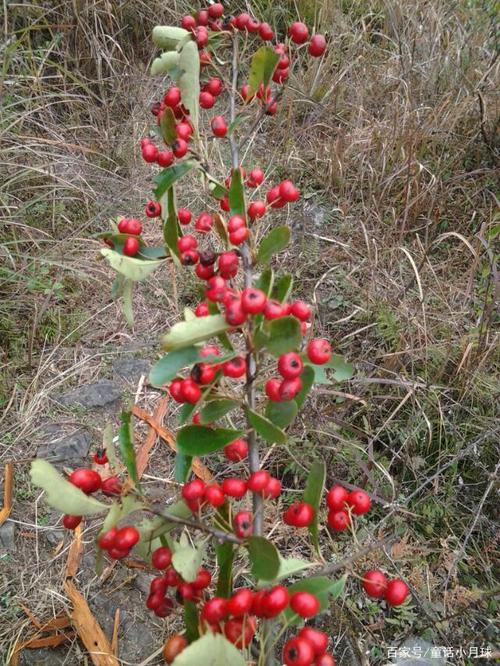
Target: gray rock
x: 99, y: 394
x: 45, y: 657
x: 53, y: 537
x: 142, y: 582
x: 59, y: 445
x: 7, y: 534
x: 130, y: 369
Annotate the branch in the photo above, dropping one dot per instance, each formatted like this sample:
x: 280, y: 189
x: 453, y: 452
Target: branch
x: 220, y: 535
x: 347, y: 561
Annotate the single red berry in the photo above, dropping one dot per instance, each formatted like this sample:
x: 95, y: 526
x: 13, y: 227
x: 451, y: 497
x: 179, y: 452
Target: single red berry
x: 273, y: 489
x: 202, y: 17
x: 253, y: 25
x: 360, y: 502
x: 237, y: 450
x: 298, y: 652
x: 228, y: 264
x: 213, y: 86
x: 201, y: 36
x: 205, y: 58
x: 304, y: 604
x: 298, y: 32
x: 273, y: 196
x: 209, y: 352
x: 183, y: 130
x: 215, y: 610
x: 243, y: 524
x: 271, y: 109
x: 190, y: 391
x: 218, y: 125
x: 117, y: 553
x: 201, y: 309
x: 71, y: 522
x: 172, y: 97
x: 319, y: 351
x: 161, y: 558
x: 154, y: 600
x: 153, y: 209
x: 256, y: 209
x: 173, y: 647
x: 288, y: 191
x: 234, y: 487
x: 238, y: 237
x: 253, y: 300
x: 164, y: 609
x: 216, y: 289
x: 224, y: 204
x: 234, y: 313
x: 300, y: 310
x: 214, y: 495
x: 337, y: 497
x: 203, y: 373
x: 208, y: 257
x: 189, y: 258
x: 375, y: 583
x: 100, y: 457
x: 87, y: 480
x: 318, y: 639
x: 266, y: 32
x: 272, y: 388
x: 230, y: 296
x: 290, y: 365
x: 131, y: 247
x: 187, y: 242
x: 256, y: 177
x: 188, y: 22
x: 202, y: 580
x: 279, y: 76
x: 258, y: 481
x: 273, y: 310
x: 339, y: 520
x: 149, y: 152
x: 245, y: 93
x: 236, y: 222
x: 184, y: 215
x: 289, y: 388
x: 299, y: 514
x: 165, y: 158
x: 240, y: 603
x: 158, y: 585
x: 180, y: 147
x: 107, y: 540
x: 204, y: 272
x: 204, y: 223
x: 235, y: 368
x: 216, y: 10
x: 112, y: 486
x: 186, y: 591
x: 396, y: 592
x: 126, y: 538
x: 317, y: 46
x: 274, y: 601
x: 206, y: 100
x: 193, y: 490
x: 241, y: 20
x: 257, y: 603
x: 325, y: 660
x: 172, y: 578
x: 240, y: 631
x: 175, y: 390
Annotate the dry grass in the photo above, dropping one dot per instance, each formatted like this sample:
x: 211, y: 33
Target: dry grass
x: 393, y: 139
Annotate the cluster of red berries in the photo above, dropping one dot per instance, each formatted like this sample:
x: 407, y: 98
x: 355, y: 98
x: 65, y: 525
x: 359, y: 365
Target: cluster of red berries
x: 90, y: 481
x: 133, y: 228
x: 308, y: 648
x: 342, y: 504
x: 118, y: 542
x: 378, y: 586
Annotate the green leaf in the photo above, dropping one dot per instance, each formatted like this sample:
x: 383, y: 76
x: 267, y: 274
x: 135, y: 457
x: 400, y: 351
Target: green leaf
x: 186, y: 410
x: 216, y: 409
x: 267, y: 430
x: 127, y: 301
x: 217, y: 190
x: 279, y: 336
x: 291, y: 566
x: 191, y: 621
x: 165, y: 64
x: 61, y: 494
x: 264, y: 558
x: 225, y: 552
x: 182, y: 467
x: 275, y: 241
x: 166, y: 368
x: 342, y: 370
x: 109, y: 447
x: 131, y: 267
x: 167, y: 177
x: 322, y: 588
x: 210, y: 650
x: 313, y: 492
x: 196, y: 440
x: 265, y: 281
x: 307, y: 378
x: 166, y: 37
x: 281, y: 413
x: 237, y: 194
x: 237, y: 121
x: 283, y: 287
x: 126, y: 442
x: 188, y: 333
x: 189, y: 80
x: 186, y: 560
x: 262, y: 68
x: 167, y: 126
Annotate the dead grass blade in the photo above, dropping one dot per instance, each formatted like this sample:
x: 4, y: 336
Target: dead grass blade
x: 7, y: 492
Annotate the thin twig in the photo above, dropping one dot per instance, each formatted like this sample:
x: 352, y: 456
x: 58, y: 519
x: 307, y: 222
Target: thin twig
x: 220, y: 535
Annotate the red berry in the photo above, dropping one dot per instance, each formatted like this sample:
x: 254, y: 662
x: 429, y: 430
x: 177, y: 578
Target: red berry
x: 172, y: 97
x: 126, y: 538
x: 184, y: 215
x: 241, y: 20
x: 214, y: 495
x: 203, y: 373
x: 272, y: 389
x: 258, y: 481
x: 253, y: 25
x: 318, y: 639
x: 279, y: 76
x: 186, y: 591
x: 224, y: 204
x: 273, y: 489
x: 237, y: 450
x: 206, y: 100
x: 153, y: 209
x: 189, y: 258
x: 204, y: 223
x: 183, y: 130
x: 360, y: 502
x: 201, y: 37
x: 317, y: 46
x: 132, y: 226
x: 265, y: 31
x: 165, y: 158
x: 256, y: 209
x: 154, y: 600
x: 299, y: 514
x: 288, y: 192
x: 290, y: 365
x: 238, y: 237
x: 300, y: 310
x: 213, y: 86
x: 289, y: 388
x: 235, y: 368
x: 100, y: 457
x: 204, y: 272
x: 337, y: 497
x: 216, y: 289
x: 175, y: 390
x: 243, y: 524
x: 228, y: 264
x: 164, y: 609
x: 190, y: 391
x: 339, y: 520
x: 240, y: 603
x: 149, y: 152
x: 298, y: 652
x: 107, y: 540
x: 236, y: 223
x: 209, y: 352
x: 188, y: 22
x: 255, y: 178
x: 234, y: 313
x: 112, y: 486
x: 205, y: 58
x: 253, y: 300
x: 131, y: 247
x: 87, y: 480
x: 193, y: 490
x: 273, y: 310
x: 117, y: 553
x: 218, y: 125
x: 304, y: 604
x: 375, y: 583
x: 202, y: 580
x: 234, y: 487
x: 397, y: 591
x: 172, y: 578
x: 298, y: 32
x: 325, y: 660
x: 202, y: 17
x: 274, y: 601
x: 319, y: 351
x: 180, y: 147
x: 216, y: 10
x: 71, y: 522
x: 173, y: 647
x: 187, y: 242
x: 201, y: 309
x: 215, y: 610
x: 240, y: 632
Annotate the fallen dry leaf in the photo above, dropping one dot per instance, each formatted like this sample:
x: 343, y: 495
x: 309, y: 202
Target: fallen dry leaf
x: 75, y: 553
x: 7, y: 492
x: 114, y: 638
x: 142, y: 457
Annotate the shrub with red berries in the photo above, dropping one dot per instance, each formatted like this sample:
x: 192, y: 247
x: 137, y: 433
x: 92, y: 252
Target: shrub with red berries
x: 238, y: 367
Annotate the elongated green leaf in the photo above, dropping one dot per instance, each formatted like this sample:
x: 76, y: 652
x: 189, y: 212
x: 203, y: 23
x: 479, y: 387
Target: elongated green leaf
x: 167, y: 63
x: 313, y: 492
x: 281, y: 413
x: 182, y: 466
x: 61, y: 494
x: 189, y: 80
x: 237, y: 194
x: 127, y: 301
x: 267, y: 430
x: 126, y: 442
x: 167, y: 36
x: 167, y: 367
x: 264, y: 558
x: 109, y: 447
x: 188, y: 333
x: 283, y: 287
x: 291, y: 566
x: 167, y: 126
x: 210, y: 650
x: 262, y: 68
x: 153, y: 252
x: 280, y: 336
x: 186, y: 560
x: 265, y: 281
x: 275, y: 241
x: 167, y: 177
x: 131, y: 267
x: 322, y: 588
x: 191, y: 621
x: 216, y: 409
x: 225, y: 555
x: 197, y: 440
x: 307, y: 378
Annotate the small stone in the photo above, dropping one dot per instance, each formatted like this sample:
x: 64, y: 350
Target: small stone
x: 142, y: 582
x: 99, y: 394
x: 44, y: 657
x: 7, y: 534
x: 130, y: 369
x: 61, y: 446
